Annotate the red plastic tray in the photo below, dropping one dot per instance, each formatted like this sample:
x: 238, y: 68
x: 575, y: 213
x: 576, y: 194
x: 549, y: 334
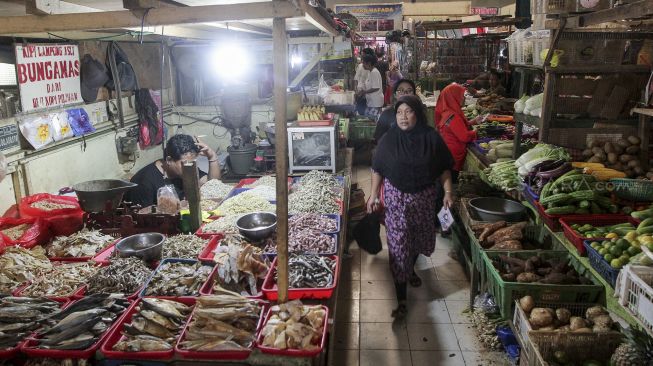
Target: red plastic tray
x: 321, y: 122
x: 29, y: 347
x: 270, y: 286
x: 246, y: 181
x: 578, y: 240
x: 204, y: 235
x: 293, y: 352
x: 116, y: 335
x: 207, y: 288
x: 174, y: 298
x: 553, y: 221
x: 103, y: 256
x: 83, y: 259
x: 206, y: 255
x: 217, y: 355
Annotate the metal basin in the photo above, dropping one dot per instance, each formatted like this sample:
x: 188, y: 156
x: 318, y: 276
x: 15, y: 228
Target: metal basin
x: 257, y: 226
x: 147, y: 246
x: 103, y: 194
x: 497, y: 209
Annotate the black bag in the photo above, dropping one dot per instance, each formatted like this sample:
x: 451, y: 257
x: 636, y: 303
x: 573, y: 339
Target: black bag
x: 368, y: 233
x: 122, y: 69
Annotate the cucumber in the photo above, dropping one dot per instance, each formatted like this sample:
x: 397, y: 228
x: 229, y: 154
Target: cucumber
x: 622, y: 231
x: 642, y: 215
x: 646, y: 222
x: 645, y: 230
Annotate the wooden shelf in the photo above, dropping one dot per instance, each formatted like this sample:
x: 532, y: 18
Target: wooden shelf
x: 643, y: 111
x: 598, y: 69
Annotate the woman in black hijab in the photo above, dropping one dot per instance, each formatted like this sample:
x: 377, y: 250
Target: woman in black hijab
x: 408, y: 162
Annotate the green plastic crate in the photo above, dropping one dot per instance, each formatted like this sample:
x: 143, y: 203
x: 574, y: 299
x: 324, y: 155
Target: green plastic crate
x: 505, y: 293
x: 361, y: 132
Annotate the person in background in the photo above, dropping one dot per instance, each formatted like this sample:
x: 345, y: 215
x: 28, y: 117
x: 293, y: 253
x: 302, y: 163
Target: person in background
x: 373, y: 88
x: 388, y: 118
x: 392, y: 78
x: 179, y: 149
x: 408, y: 162
x: 494, y: 85
x: 382, y: 66
x: 359, y: 80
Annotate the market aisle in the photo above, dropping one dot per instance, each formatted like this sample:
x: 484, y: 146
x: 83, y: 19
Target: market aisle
x: 435, y: 331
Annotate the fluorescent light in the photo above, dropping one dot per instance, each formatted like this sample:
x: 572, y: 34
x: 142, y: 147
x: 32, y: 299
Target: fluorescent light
x: 295, y: 60
x: 230, y: 61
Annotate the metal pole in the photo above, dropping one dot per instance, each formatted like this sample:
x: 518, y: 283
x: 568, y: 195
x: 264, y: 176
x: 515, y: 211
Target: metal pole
x: 280, y: 47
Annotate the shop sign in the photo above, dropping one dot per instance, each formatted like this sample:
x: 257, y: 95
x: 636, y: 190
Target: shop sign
x: 8, y: 136
x: 483, y: 11
x: 48, y: 75
x: 374, y: 19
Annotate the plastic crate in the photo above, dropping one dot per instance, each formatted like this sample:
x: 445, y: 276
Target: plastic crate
x: 207, y: 288
x: 591, y: 48
x: 553, y: 221
x: 636, y: 293
x: 578, y: 240
x: 206, y: 255
x: 294, y: 352
x: 247, y: 181
x: 545, y: 339
x: 170, y: 260
x: 578, y: 348
x: 217, y: 355
x: 270, y: 285
x: 116, y: 335
x: 200, y: 232
x: 600, y: 265
x: 529, y: 195
x: 633, y: 189
x: 361, y: 132
x: 332, y: 216
x: 505, y: 293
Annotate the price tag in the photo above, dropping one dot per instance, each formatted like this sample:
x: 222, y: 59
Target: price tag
x: 297, y: 136
x: 446, y: 219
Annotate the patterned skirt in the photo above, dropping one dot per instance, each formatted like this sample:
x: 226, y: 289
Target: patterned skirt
x: 410, y: 221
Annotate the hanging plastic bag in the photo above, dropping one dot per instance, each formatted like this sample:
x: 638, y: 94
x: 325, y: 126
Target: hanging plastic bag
x: 167, y: 200
x: 61, y: 126
x: 37, y: 130
x: 323, y: 88
x: 25, y: 232
x: 63, y: 214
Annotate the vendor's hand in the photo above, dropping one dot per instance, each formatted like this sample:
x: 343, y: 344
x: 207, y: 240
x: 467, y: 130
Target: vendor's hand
x: 373, y: 204
x: 206, y: 150
x: 360, y: 93
x: 448, y: 200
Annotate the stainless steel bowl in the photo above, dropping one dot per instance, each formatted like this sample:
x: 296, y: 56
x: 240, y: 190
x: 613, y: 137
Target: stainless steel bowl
x: 147, y: 246
x: 257, y: 226
x: 497, y: 209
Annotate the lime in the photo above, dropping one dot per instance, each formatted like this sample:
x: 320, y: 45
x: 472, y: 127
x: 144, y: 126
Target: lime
x: 603, y: 251
x: 633, y: 251
x: 616, y: 263
x: 623, y: 242
x: 608, y: 257
x: 615, y: 250
x: 623, y: 246
x: 607, y: 244
x: 625, y: 258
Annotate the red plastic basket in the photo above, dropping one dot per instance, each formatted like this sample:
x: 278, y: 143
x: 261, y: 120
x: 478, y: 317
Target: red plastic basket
x: 104, y: 256
x: 578, y: 240
x: 553, y: 221
x: 82, y: 259
x: 207, y: 255
x: 116, y: 335
x: 270, y: 285
x: 204, y: 235
x: 217, y: 355
x: 247, y: 181
x: 207, y: 288
x: 29, y: 347
x: 293, y: 352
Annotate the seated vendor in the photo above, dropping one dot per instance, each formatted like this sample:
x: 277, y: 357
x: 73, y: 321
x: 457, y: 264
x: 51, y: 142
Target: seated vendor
x: 491, y: 86
x: 179, y: 149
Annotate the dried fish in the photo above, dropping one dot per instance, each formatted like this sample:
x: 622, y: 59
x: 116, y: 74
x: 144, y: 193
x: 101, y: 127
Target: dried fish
x: 245, y: 202
x: 47, y: 205
x: 85, y: 243
x: 312, y: 221
x: 20, y: 316
x: 61, y: 280
x: 178, y: 279
x: 121, y: 276
x: 320, y: 178
x: 294, y: 326
x: 307, y: 241
x: 214, y: 188
x: 316, y: 192
x: 82, y: 324
x: 222, y: 322
x: 183, y: 246
x: 15, y: 232
x: 154, y: 327
x: 266, y: 180
x: 267, y: 192
x: 56, y: 362
x: 241, y: 269
x: 19, y: 265
x: 224, y: 224
x: 310, y: 271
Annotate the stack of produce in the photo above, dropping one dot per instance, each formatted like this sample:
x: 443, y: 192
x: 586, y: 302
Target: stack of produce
x: 209, y: 204
x: 241, y: 269
x: 154, y: 327
x: 609, y: 232
x: 499, y: 236
x: 19, y: 265
x: 183, y: 246
x: 215, y: 189
x: 540, y: 158
x: 311, y: 113
x: 294, y: 326
x: 178, y: 279
x: 62, y: 280
x: 596, y: 320
x: 244, y: 203
x: 267, y: 192
x: 624, y: 244
x: 121, y: 276
x: 20, y: 316
x: 576, y: 193
x: 82, y: 324
x: 16, y: 231
x: 537, y: 269
x: 621, y: 156
x: 57, y: 362
x: 85, y: 243
x: 503, y: 175
x: 222, y: 322
x: 637, y: 349
x: 224, y: 225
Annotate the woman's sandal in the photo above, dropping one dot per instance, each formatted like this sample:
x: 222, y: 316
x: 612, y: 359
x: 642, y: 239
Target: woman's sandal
x: 401, y: 311
x: 414, y: 280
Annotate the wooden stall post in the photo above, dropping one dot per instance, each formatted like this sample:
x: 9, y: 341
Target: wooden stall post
x: 280, y: 47
x: 191, y: 181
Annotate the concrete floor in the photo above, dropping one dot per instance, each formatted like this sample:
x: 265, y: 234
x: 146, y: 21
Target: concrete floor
x: 435, y: 331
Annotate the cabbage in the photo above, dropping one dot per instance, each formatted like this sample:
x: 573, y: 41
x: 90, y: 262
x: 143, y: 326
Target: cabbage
x: 533, y: 102
x: 519, y: 105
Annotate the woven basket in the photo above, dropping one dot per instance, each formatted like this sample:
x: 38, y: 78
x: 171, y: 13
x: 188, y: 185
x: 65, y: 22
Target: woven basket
x: 633, y: 189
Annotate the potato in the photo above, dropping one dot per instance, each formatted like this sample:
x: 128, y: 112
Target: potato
x: 587, y: 153
x: 626, y: 158
x: 576, y: 322
x: 597, y: 150
x: 564, y: 328
x: 632, y: 150
x: 649, y: 175
x: 623, y: 143
x: 563, y: 315
x: 618, y: 166
x: 540, y: 317
x: 633, y: 163
x: 594, y: 159
x: 550, y: 328
x: 603, y: 321
x: 639, y: 171
x: 595, y: 143
x: 583, y: 330
x: 634, y: 140
x: 527, y: 277
x: 527, y: 303
x: 612, y: 158
x: 601, y: 155
x: 618, y: 149
x: 608, y: 147
x: 595, y: 311
x: 629, y: 173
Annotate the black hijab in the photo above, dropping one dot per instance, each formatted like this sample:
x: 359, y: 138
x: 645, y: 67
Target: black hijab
x: 412, y: 160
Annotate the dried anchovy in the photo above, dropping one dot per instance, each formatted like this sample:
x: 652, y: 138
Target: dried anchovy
x: 183, y: 246
x: 306, y: 241
x: 51, y: 206
x: 214, y: 188
x: 306, y: 200
x: 178, y: 279
x: 81, y: 244
x: 312, y: 221
x: 61, y: 280
x: 224, y: 224
x: 19, y: 265
x: 310, y: 271
x: 267, y: 192
x: 245, y: 202
x: 318, y: 177
x: 121, y: 276
x: 15, y: 232
x: 266, y: 180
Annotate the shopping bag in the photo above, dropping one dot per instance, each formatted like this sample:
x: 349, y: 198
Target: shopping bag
x: 368, y: 233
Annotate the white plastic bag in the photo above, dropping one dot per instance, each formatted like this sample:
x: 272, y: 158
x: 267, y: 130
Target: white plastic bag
x: 520, y: 104
x: 532, y: 103
x: 323, y: 88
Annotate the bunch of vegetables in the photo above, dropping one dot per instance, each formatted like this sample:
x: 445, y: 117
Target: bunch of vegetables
x: 596, y: 320
x: 536, y: 269
x: 470, y: 111
x: 620, y: 156
x: 540, y: 156
x: 500, y: 150
x: 588, y: 231
x: 503, y: 175
x: 575, y: 193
